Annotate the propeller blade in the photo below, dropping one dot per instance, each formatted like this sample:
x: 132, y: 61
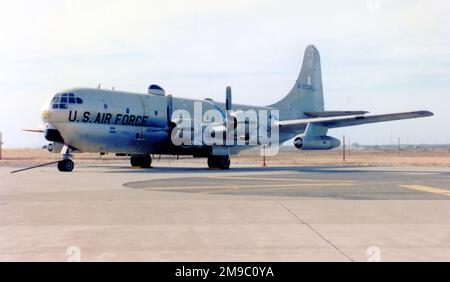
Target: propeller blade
x: 228, y: 105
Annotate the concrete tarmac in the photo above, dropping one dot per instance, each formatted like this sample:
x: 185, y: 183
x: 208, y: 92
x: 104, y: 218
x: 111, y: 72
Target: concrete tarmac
x: 178, y: 213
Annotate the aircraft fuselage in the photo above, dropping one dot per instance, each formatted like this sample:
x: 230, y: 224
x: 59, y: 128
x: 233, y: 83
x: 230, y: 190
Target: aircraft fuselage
x: 123, y: 122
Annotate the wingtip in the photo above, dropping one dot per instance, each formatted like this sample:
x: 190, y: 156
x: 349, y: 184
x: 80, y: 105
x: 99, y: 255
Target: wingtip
x: 426, y: 113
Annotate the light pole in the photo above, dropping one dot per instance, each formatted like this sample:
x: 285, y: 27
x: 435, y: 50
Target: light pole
x: 343, y: 148
x: 264, y: 156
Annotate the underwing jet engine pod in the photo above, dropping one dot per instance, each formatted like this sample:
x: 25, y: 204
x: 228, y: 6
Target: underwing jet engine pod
x: 315, y: 138
x: 304, y: 142
x: 141, y: 124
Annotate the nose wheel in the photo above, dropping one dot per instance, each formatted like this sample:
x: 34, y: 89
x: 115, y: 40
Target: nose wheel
x: 65, y: 165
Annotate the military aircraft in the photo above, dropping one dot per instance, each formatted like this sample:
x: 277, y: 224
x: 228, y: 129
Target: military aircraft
x: 139, y: 125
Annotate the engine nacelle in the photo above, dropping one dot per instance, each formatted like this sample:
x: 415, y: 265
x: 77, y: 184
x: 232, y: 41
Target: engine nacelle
x: 218, y: 130
x: 316, y: 142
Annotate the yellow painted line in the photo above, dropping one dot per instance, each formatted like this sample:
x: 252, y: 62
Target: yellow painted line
x: 252, y: 186
x: 429, y: 189
x: 279, y: 179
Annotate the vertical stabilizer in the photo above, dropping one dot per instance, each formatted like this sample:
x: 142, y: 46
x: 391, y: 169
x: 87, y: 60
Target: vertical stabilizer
x: 307, y: 93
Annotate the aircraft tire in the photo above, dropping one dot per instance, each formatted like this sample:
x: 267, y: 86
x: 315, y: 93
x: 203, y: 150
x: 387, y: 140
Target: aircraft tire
x: 65, y: 165
x: 219, y: 162
x: 211, y: 162
x: 143, y: 161
x: 146, y: 161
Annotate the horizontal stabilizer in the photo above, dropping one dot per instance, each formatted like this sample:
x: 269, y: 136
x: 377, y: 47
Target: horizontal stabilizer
x: 335, y: 113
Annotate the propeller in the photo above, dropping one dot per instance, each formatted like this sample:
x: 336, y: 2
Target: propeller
x: 169, y: 108
x: 230, y: 119
x: 228, y: 99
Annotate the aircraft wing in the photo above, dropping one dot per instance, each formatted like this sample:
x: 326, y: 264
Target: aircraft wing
x: 335, y: 113
x: 343, y: 121
x: 34, y: 130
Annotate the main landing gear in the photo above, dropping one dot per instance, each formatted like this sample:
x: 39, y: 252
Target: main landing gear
x: 143, y: 161
x: 219, y: 162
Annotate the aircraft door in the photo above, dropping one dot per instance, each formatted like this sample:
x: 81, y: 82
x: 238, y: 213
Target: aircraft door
x: 153, y: 133
x: 140, y: 138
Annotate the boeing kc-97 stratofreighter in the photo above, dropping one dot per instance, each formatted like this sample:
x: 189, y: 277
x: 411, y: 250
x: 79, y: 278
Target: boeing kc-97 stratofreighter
x: 139, y: 125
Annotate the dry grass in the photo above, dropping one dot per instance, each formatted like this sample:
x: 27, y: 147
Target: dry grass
x: 373, y: 158
x: 432, y: 158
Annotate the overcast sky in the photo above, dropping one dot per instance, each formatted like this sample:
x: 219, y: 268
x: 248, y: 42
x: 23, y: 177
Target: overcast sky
x: 377, y: 55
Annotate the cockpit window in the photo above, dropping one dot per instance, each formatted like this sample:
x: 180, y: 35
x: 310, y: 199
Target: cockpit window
x: 61, y: 100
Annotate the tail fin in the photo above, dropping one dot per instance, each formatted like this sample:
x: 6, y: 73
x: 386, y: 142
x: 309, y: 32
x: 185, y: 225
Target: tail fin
x: 307, y: 93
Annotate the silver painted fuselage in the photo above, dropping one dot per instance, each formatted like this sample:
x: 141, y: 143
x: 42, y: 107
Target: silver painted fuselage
x: 131, y: 123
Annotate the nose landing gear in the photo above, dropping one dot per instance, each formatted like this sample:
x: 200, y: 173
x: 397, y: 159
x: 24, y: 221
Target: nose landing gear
x: 66, y: 164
